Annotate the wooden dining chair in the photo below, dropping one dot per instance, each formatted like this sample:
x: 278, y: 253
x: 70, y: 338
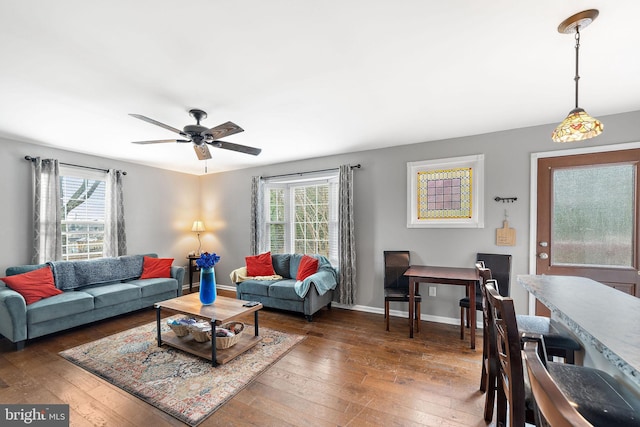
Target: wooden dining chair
x: 553, y: 407
x: 558, y: 340
x: 500, y: 266
x: 510, y: 390
x: 396, y: 284
x: 489, y: 374
x: 596, y: 395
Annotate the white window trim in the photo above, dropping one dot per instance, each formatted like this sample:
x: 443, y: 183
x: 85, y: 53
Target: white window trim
x: 476, y: 163
x: 303, y: 180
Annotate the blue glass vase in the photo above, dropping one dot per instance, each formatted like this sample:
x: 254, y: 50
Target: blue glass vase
x: 207, y: 286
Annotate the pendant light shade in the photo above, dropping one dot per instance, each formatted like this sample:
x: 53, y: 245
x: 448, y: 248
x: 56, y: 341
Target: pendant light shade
x: 578, y: 125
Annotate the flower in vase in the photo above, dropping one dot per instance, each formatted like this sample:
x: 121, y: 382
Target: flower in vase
x: 207, y: 260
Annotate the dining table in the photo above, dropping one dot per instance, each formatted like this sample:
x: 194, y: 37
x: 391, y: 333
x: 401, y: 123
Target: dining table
x: 460, y: 276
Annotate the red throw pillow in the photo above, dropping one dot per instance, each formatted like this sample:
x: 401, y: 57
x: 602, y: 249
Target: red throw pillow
x: 308, y: 266
x: 259, y: 265
x: 34, y: 285
x: 156, y: 268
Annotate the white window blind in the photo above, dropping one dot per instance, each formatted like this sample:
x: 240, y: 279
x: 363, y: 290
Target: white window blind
x: 82, y: 201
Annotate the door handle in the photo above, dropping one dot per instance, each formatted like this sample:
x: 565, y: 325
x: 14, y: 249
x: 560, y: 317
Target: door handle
x: 543, y: 255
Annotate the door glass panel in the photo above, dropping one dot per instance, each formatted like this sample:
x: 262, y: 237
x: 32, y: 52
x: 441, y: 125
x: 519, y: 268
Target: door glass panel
x: 593, y: 216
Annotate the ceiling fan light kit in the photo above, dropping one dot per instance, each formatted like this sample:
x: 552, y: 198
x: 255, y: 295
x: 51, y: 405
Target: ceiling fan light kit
x: 578, y: 125
x: 201, y: 136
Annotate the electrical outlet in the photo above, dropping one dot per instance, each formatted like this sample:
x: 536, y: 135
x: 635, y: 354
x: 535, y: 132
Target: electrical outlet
x: 432, y: 291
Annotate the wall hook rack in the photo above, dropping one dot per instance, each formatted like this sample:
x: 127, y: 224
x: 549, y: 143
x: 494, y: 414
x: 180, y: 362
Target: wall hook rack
x: 505, y: 199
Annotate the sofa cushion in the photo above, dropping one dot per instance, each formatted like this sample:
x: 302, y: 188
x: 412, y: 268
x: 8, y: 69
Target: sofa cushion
x: 259, y: 265
x: 284, y: 289
x: 116, y: 293
x: 294, y: 263
x: 156, y: 286
x: 19, y: 269
x: 256, y: 287
x: 63, y: 305
x: 281, y: 264
x: 308, y: 266
x: 156, y: 268
x: 34, y: 285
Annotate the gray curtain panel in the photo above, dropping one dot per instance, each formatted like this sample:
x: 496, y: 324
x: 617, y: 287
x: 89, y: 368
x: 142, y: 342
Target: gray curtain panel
x: 346, y: 290
x: 115, y: 237
x: 47, y: 231
x: 257, y: 218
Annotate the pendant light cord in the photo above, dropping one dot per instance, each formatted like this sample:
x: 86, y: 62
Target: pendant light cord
x: 577, y: 77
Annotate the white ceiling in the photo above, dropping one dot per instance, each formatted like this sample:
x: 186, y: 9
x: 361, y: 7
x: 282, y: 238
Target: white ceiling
x: 303, y: 78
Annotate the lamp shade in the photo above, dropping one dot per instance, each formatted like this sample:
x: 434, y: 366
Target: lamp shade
x: 578, y: 126
x: 198, y: 226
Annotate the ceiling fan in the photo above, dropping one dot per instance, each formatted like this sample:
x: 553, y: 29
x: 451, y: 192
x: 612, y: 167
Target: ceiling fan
x: 201, y: 136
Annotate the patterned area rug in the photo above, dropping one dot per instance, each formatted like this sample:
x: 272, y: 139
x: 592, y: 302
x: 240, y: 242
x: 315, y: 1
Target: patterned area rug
x: 184, y: 386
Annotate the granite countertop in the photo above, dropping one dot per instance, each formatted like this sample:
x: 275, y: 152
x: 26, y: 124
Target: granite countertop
x: 604, y: 317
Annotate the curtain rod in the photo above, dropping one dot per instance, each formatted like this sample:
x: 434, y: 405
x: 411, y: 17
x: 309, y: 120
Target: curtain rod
x: 358, y: 166
x: 31, y: 159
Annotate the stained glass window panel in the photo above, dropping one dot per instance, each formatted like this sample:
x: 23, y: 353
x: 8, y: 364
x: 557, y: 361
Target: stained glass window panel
x: 445, y: 193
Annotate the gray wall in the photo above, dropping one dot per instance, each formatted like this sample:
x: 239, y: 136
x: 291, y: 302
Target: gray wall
x: 381, y: 208
x: 160, y: 205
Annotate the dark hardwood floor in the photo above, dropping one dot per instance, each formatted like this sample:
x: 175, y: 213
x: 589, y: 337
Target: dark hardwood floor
x: 348, y: 372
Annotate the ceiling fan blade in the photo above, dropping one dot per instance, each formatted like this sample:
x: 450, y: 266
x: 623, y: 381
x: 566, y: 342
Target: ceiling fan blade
x: 202, y: 151
x: 157, y: 123
x: 223, y: 130
x: 237, y: 147
x: 159, y: 141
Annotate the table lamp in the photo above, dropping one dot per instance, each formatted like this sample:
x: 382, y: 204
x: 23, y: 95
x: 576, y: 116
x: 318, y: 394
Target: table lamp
x: 198, y: 227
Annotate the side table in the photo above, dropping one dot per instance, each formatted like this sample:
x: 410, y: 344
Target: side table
x: 192, y: 268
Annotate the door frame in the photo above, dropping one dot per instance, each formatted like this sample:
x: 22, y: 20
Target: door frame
x: 533, y: 195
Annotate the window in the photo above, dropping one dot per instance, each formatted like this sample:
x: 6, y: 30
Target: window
x: 82, y: 203
x: 302, y: 215
x: 593, y: 215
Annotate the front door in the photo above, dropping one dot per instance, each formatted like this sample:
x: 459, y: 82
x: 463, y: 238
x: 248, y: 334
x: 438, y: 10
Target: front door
x: 588, y: 208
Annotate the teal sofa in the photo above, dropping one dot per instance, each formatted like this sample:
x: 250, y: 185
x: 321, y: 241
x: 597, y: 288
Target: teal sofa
x: 92, y: 290
x: 306, y: 296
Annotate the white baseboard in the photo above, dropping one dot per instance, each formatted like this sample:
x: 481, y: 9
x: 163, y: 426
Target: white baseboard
x: 405, y: 314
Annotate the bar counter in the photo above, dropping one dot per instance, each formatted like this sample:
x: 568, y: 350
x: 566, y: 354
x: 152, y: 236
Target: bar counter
x: 605, y: 320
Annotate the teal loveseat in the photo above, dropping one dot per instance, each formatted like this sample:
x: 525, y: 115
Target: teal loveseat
x: 92, y: 290
x: 306, y: 296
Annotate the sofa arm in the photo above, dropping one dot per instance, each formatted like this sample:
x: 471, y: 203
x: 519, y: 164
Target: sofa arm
x: 238, y: 275
x: 177, y: 273
x: 13, y: 314
x: 324, y: 280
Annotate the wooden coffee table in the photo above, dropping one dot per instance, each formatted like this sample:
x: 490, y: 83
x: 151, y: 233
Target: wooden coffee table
x: 223, y: 310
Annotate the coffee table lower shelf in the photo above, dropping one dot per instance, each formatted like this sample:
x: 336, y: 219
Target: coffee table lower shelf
x: 203, y: 349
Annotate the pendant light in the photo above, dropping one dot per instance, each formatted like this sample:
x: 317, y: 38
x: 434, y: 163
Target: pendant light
x: 578, y: 125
